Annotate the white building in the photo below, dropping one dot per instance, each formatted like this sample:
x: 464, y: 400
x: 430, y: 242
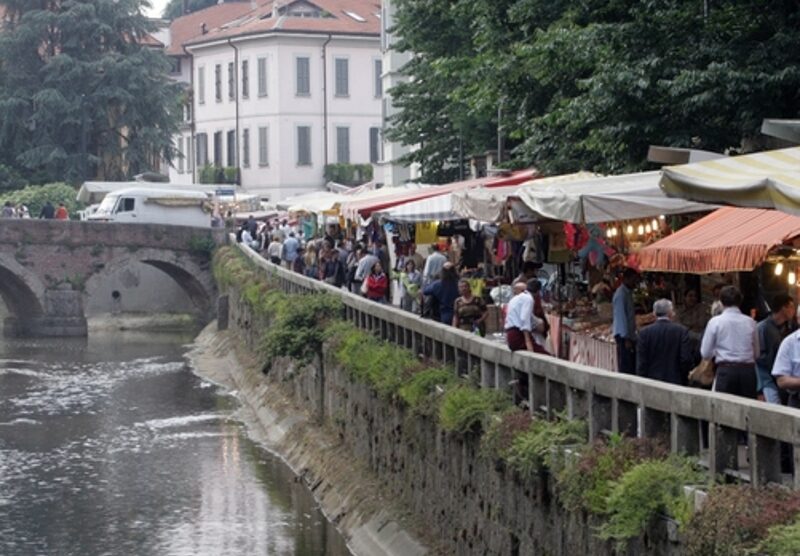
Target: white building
x: 298, y: 84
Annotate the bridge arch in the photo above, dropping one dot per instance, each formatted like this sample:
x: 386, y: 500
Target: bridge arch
x: 21, y: 290
x: 191, y: 276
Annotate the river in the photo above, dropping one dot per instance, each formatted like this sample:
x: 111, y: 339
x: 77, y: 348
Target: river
x: 113, y: 446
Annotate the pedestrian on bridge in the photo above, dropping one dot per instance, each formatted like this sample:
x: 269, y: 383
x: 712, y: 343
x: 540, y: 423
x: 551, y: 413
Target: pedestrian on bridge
x: 664, y: 349
x: 61, y: 212
x: 48, y: 211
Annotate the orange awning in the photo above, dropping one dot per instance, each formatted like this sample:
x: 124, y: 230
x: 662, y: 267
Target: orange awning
x: 727, y: 240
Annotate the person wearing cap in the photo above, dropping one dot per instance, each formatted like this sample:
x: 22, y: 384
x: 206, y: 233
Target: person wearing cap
x: 664, y: 349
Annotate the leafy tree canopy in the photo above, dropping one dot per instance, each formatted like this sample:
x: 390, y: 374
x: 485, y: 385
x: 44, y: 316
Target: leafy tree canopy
x: 80, y: 95
x: 590, y: 85
x: 175, y: 7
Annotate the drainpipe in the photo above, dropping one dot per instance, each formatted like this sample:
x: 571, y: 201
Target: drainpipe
x: 325, y: 101
x: 192, y: 129
x: 236, y: 104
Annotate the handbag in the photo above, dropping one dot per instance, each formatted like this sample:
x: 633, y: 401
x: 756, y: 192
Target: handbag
x: 703, y: 373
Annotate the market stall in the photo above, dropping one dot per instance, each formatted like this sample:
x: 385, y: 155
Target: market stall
x: 600, y: 222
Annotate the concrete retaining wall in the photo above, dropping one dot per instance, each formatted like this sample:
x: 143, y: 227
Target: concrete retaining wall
x: 474, y: 505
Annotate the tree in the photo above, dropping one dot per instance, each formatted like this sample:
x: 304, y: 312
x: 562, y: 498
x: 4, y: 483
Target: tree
x: 175, y: 7
x: 80, y: 95
x: 590, y: 85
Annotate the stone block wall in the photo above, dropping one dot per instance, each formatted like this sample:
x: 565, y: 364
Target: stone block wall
x: 476, y: 505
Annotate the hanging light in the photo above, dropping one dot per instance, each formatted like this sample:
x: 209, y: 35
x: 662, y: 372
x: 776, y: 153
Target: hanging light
x: 662, y: 217
x: 654, y: 224
x: 792, y: 279
x: 640, y: 230
x: 614, y: 232
x: 629, y: 230
x: 609, y: 233
x: 648, y: 229
x: 778, y: 269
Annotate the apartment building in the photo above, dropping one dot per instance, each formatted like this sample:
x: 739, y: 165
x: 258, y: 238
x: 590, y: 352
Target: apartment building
x: 278, y: 90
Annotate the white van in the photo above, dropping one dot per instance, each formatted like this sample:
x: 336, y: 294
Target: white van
x: 177, y: 207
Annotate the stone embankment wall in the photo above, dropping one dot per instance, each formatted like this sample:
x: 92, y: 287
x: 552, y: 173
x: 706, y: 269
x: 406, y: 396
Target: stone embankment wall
x: 473, y: 504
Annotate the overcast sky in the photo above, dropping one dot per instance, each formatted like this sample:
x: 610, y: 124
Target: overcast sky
x: 158, y: 7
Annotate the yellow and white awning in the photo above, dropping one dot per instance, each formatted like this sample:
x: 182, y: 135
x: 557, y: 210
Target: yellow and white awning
x: 761, y: 180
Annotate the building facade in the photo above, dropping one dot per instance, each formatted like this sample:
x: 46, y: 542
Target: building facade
x: 277, y: 92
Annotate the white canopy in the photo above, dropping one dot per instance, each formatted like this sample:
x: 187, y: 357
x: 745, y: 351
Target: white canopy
x: 489, y: 204
x: 606, y: 199
x: 316, y: 201
x: 439, y: 208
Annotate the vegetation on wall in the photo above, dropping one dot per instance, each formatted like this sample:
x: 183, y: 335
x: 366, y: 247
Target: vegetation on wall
x: 348, y: 174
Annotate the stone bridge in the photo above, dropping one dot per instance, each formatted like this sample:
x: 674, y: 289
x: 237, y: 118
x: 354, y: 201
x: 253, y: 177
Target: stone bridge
x: 45, y: 266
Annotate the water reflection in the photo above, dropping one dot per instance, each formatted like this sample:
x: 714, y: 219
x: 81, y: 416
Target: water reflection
x: 112, y: 446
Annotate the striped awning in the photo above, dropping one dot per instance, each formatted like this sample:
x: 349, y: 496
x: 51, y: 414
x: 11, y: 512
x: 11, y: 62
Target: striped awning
x: 761, y: 180
x: 727, y: 240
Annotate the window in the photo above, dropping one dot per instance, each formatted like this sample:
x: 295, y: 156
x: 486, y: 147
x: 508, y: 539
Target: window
x: 263, y: 150
x: 218, y: 148
x: 231, y: 148
x: 304, y: 145
x: 202, y: 149
x: 187, y: 112
x: 303, y: 76
x: 246, y: 148
x: 180, y: 155
x: 245, y: 80
x: 374, y: 144
x: 126, y: 204
x: 218, y: 82
x: 175, y: 67
x: 378, y: 78
x: 342, y: 85
x: 343, y: 145
x: 201, y: 85
x: 231, y: 81
x: 262, y: 77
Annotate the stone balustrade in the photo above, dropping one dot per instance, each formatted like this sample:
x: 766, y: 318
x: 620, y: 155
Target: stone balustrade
x: 744, y: 436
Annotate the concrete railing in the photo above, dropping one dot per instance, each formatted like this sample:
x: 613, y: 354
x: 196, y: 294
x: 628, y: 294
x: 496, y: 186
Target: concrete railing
x: 608, y: 401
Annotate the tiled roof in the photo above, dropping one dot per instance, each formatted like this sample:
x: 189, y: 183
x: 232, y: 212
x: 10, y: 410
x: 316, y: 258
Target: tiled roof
x: 348, y: 17
x: 188, y: 27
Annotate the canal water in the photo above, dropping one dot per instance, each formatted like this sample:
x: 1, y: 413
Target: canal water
x: 112, y: 446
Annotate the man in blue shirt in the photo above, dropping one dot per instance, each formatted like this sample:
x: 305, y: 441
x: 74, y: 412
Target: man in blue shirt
x: 290, y: 246
x: 624, y: 325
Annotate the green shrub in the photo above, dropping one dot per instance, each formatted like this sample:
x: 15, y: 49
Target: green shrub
x: 202, y: 245
x: 586, y: 481
x: 782, y: 540
x: 467, y: 409
x: 35, y: 196
x: 207, y: 174
x: 735, y: 518
x: 420, y: 391
x: 645, y: 491
x: 297, y: 330
x: 348, y: 174
x: 529, y: 451
x: 502, y: 430
x: 382, y: 366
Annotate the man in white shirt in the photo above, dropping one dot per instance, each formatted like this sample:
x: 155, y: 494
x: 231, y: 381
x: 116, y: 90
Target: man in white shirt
x: 732, y: 341
x: 786, y: 368
x: 518, y: 325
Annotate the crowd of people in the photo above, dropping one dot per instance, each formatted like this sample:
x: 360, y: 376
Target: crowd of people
x: 48, y: 212
x: 436, y: 287
x: 738, y: 354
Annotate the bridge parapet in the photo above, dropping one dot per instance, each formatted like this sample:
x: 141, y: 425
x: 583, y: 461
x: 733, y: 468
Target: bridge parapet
x: 608, y: 401
x: 72, y: 233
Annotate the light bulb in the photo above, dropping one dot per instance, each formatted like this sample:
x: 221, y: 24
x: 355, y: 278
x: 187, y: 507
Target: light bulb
x: 648, y: 229
x: 662, y: 217
x: 609, y: 233
x: 654, y: 223
x: 629, y: 230
x: 614, y: 232
x: 792, y: 279
x: 640, y: 230
x: 778, y: 269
